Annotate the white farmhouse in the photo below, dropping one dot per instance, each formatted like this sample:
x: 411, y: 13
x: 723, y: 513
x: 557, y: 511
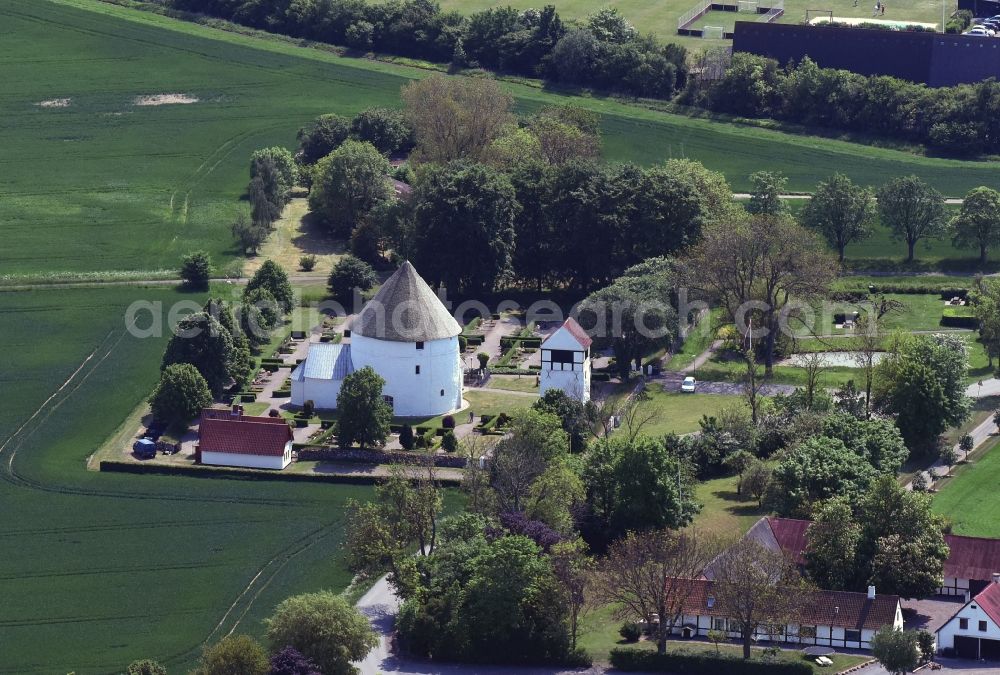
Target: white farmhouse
x: 407, y: 336
x: 837, y: 619
x: 230, y: 438
x: 974, y: 631
x: 566, y: 361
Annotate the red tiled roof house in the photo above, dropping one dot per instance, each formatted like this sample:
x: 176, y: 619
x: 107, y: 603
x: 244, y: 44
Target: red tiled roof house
x: 837, y: 619
x: 974, y: 631
x: 970, y: 565
x: 230, y: 438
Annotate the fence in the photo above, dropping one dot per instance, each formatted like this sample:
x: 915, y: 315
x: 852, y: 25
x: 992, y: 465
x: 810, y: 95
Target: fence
x: 693, y: 14
x: 767, y: 14
x: 776, y: 10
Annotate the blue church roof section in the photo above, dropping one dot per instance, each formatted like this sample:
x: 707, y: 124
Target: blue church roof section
x: 327, y: 361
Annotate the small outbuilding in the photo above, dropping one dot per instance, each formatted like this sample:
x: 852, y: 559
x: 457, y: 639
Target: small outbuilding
x: 566, y: 361
x: 230, y: 438
x: 974, y: 631
x: 144, y: 448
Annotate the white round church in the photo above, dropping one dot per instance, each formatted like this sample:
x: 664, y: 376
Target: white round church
x: 407, y: 336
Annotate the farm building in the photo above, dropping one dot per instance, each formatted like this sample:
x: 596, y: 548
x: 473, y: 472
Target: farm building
x: 974, y: 631
x: 566, y: 361
x: 970, y: 565
x: 783, y: 535
x: 404, y: 334
x: 230, y: 438
x: 837, y: 619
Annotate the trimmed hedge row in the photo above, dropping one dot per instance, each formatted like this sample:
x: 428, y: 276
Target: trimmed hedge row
x: 508, y: 341
x: 958, y: 317
x: 680, y: 663
x: 311, y: 452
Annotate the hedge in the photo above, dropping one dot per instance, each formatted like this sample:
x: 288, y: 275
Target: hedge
x: 508, y: 341
x: 507, y: 370
x: 681, y: 663
x: 958, y: 317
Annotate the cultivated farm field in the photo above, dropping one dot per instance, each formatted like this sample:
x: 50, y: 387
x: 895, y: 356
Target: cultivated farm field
x: 99, y: 569
x: 94, y: 182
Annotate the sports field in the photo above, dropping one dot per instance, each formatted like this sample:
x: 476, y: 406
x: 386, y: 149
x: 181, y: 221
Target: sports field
x: 95, y: 182
x: 661, y: 17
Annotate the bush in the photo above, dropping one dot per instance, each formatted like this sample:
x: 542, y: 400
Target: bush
x: 702, y: 663
x: 448, y: 422
x: 630, y: 631
x: 308, y: 407
x: 449, y: 442
x: 463, y: 343
x: 307, y: 263
x: 502, y: 420
x: 350, y: 273
x: 406, y: 439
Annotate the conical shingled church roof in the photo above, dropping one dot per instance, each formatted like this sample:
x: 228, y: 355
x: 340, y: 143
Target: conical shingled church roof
x: 405, y: 309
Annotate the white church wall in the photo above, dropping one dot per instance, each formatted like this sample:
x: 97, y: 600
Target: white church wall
x: 436, y: 390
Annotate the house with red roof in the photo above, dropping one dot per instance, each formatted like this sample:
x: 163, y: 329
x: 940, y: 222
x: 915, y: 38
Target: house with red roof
x: 781, y: 535
x: 974, y: 631
x: 566, y: 361
x: 837, y: 619
x: 230, y: 438
x: 970, y: 565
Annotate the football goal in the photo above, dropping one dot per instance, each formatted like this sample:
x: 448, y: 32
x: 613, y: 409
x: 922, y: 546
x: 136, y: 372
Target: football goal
x: 747, y: 6
x: 713, y: 32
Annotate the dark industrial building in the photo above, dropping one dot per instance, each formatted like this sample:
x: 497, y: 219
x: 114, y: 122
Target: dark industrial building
x: 934, y: 59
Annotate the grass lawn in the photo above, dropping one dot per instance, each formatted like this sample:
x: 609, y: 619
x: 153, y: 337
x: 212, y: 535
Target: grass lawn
x: 524, y: 383
x: 481, y: 402
x: 599, y: 635
x: 129, y: 187
x: 722, y: 369
x: 296, y: 235
x: 679, y: 413
x: 99, y: 568
x: 969, y: 498
x: 724, y: 512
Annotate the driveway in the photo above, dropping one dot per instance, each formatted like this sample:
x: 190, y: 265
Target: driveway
x: 949, y: 666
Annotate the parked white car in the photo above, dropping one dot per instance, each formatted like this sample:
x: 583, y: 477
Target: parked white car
x: 688, y: 384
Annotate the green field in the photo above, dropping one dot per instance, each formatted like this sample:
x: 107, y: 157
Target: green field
x: 679, y: 413
x: 969, y: 499
x: 102, y: 184
x: 661, y: 17
x: 99, y: 569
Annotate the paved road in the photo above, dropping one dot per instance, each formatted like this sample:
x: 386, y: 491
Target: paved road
x: 950, y: 666
x: 743, y: 196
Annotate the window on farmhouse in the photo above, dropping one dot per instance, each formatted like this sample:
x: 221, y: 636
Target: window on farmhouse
x: 852, y: 635
x: 420, y: 345
x: 719, y: 624
x: 963, y: 624
x: 807, y: 631
x: 982, y: 626
x: 418, y: 370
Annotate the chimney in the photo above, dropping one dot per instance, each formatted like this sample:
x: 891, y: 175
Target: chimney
x: 968, y: 595
x: 996, y: 577
x: 836, y: 611
x: 871, y: 592
x: 237, y: 411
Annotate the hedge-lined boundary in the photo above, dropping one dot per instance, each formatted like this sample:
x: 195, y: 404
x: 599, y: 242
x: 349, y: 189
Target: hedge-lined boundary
x: 327, y: 454
x: 632, y: 660
x: 221, y: 472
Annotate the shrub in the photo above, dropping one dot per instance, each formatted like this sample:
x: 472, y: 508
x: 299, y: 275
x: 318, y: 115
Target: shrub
x: 308, y: 407
x: 484, y: 359
x: 502, y: 420
x: 702, y: 663
x: 448, y: 422
x: 958, y: 317
x: 406, y: 437
x: 449, y: 442
x: 350, y: 273
x: 307, y: 263
x: 630, y: 631
x: 145, y: 667
x: 463, y: 343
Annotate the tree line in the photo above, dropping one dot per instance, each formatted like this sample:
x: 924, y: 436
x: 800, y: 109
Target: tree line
x: 603, y: 51
x: 955, y: 120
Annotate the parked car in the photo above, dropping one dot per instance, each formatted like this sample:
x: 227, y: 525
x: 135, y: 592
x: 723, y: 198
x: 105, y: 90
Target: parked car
x: 980, y: 31
x: 688, y: 385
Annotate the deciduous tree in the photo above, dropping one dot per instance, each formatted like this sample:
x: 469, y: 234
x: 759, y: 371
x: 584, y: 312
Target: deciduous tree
x: 896, y: 650
x: 348, y: 184
x: 274, y: 279
x: 196, y: 270
x: 234, y: 654
x: 180, y: 395
x: 912, y: 210
x: 364, y: 415
x: 841, y: 211
x: 978, y: 222
x: 350, y: 273
x: 832, y: 542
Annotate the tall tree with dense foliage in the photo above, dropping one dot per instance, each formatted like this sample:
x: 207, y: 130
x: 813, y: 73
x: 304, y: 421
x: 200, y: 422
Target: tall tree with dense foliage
x: 464, y: 221
x: 273, y: 278
x: 765, y: 194
x: 815, y: 470
x: 321, y: 137
x: 290, y: 661
x: 635, y: 485
x: 145, y: 667
x: 832, y: 542
x: 348, y: 274
x: 922, y: 384
x: 180, y: 395
x: 977, y: 224
x: 203, y: 342
x: 633, y: 315
x: 912, y: 210
x: 364, y: 415
x: 896, y: 650
x: 456, y: 118
x: 647, y: 573
x: 234, y: 654
x: 324, y: 628
x: 196, y: 270
x: 284, y: 167
x: 248, y: 234
x: 771, y: 261
x: 844, y: 213
x: 534, y: 441
x: 385, y: 128
x: 985, y: 301
x: 348, y: 184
